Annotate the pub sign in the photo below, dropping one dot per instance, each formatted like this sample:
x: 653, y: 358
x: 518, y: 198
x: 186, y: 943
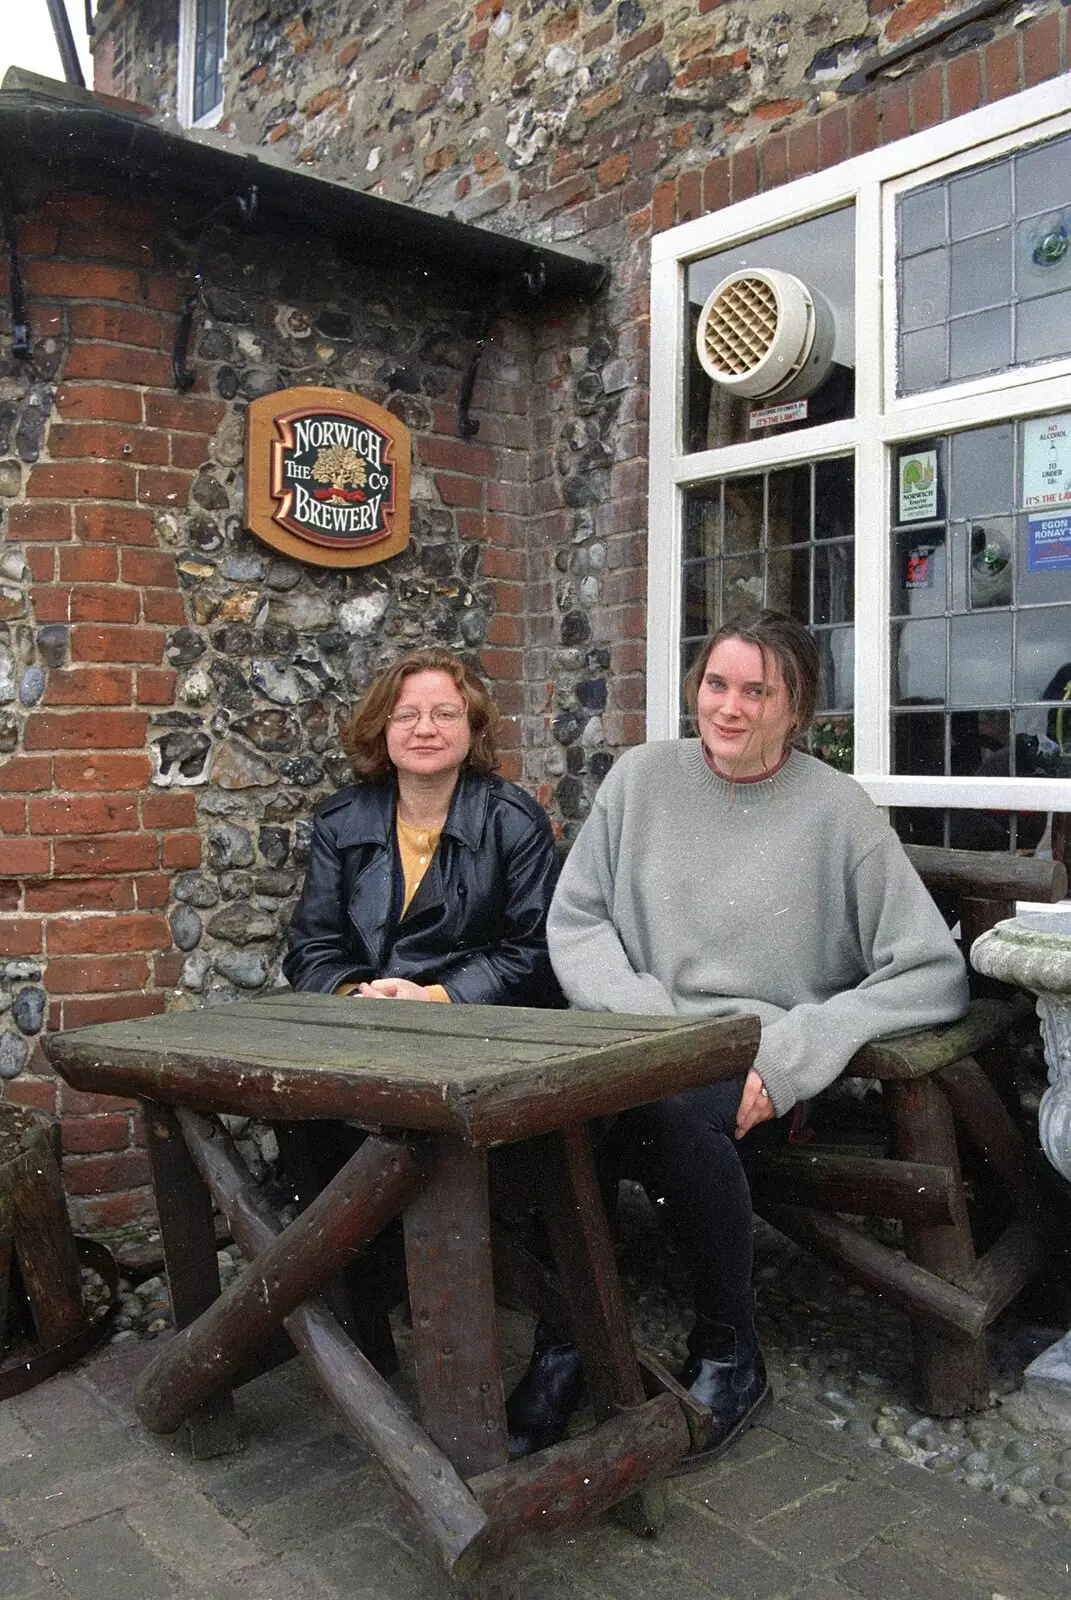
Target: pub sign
x: 327, y: 477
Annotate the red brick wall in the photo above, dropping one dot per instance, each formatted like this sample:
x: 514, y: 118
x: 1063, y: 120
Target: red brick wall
x: 89, y: 849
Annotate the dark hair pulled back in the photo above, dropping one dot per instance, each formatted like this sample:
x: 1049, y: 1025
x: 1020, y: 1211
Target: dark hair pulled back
x: 780, y: 639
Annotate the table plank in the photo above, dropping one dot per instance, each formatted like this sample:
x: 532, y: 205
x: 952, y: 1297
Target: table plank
x: 252, y: 1041
x: 523, y: 1023
x: 402, y: 1069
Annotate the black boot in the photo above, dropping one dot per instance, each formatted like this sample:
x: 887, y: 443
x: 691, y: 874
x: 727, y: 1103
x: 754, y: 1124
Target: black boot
x: 726, y: 1372
x: 538, y: 1410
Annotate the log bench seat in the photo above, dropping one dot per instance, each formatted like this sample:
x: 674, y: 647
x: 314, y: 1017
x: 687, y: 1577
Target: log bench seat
x: 946, y: 1099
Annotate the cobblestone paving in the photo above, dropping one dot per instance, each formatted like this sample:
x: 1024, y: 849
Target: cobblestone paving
x: 92, y: 1508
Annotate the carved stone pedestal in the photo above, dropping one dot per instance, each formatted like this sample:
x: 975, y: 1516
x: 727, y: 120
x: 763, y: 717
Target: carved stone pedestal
x: 1034, y: 952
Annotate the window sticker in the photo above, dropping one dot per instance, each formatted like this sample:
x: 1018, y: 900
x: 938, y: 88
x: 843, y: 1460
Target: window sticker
x: 917, y: 472
x: 1047, y: 461
x: 919, y: 568
x: 1048, y: 544
x: 774, y: 416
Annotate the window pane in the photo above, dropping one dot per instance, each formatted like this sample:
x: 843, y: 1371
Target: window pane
x: 919, y: 743
x: 1043, y: 177
x: 981, y: 343
x: 810, y: 580
x: 925, y: 290
x: 1043, y: 328
x: 923, y: 359
x: 788, y: 507
x: 788, y: 581
x: 1043, y: 743
x: 919, y: 825
x: 1037, y: 753
x: 991, y: 562
x: 982, y: 830
x: 702, y: 522
x: 980, y: 665
x: 209, y: 35
x: 919, y: 663
x: 832, y: 740
x: 981, y: 272
x: 983, y: 471
x: 980, y: 199
x: 743, y: 513
x: 922, y: 220
x: 1043, y: 653
x: 834, y: 579
x: 820, y: 252
x: 1008, y: 245
x: 1040, y: 583
x: 836, y: 649
x: 919, y: 574
x: 1043, y: 255
x: 834, y: 498
x: 978, y: 743
x: 742, y: 589
x: 970, y: 590
x: 700, y: 598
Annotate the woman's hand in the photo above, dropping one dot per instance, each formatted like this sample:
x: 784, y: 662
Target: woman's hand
x: 393, y: 989
x: 755, y: 1105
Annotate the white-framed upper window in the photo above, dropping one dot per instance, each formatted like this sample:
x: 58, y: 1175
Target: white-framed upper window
x: 861, y: 415
x: 202, y: 47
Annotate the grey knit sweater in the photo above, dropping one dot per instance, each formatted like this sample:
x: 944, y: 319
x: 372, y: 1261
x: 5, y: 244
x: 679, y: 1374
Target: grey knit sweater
x: 790, y: 898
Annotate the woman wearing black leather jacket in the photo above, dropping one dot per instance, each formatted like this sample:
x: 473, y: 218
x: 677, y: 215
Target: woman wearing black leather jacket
x: 429, y: 878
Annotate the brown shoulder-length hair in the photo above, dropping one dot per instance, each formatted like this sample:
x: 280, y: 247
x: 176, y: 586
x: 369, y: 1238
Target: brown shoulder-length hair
x: 364, y: 737
x: 778, y: 638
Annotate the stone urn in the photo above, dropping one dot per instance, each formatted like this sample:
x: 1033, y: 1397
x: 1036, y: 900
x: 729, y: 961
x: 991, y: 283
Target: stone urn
x: 1034, y: 953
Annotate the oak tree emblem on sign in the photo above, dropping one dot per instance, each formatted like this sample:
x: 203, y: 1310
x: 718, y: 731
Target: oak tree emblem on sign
x: 328, y: 476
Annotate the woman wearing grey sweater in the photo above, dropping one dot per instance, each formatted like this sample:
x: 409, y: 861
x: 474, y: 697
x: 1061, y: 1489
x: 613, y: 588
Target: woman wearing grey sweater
x: 724, y: 875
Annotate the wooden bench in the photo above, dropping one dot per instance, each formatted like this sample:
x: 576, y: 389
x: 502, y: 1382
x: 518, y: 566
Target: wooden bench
x: 938, y: 1086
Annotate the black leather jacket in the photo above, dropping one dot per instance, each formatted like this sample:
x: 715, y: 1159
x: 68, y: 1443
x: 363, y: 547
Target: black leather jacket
x: 477, y: 923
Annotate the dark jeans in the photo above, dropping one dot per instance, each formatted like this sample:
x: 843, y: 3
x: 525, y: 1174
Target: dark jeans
x: 683, y: 1152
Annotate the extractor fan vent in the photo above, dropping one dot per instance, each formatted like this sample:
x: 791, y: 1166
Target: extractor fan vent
x: 764, y: 333
x: 740, y: 327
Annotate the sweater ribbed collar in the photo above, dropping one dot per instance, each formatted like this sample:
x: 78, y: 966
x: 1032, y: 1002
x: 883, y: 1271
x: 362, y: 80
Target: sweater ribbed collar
x: 785, y: 783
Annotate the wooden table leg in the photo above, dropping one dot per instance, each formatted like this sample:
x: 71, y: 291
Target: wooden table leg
x: 583, y: 1250
x: 584, y: 1254
x: 189, y: 1240
x: 359, y: 1201
x: 423, y: 1476
x: 455, y: 1328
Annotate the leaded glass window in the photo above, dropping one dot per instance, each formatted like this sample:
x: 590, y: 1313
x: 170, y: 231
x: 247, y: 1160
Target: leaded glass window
x: 984, y: 269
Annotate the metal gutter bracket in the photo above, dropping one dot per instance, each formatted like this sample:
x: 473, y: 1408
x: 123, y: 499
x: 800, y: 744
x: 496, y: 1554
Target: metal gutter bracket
x: 20, y: 327
x: 244, y: 207
x: 532, y: 278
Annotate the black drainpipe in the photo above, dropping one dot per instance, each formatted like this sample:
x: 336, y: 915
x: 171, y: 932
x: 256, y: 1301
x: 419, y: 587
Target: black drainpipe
x: 61, y: 27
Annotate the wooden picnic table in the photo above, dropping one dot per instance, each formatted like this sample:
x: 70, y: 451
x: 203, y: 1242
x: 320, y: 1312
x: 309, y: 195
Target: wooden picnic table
x: 434, y: 1087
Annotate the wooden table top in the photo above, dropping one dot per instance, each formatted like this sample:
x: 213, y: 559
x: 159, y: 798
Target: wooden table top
x: 490, y: 1074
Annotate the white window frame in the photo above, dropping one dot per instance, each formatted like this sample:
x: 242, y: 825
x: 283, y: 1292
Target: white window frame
x: 872, y: 183
x: 186, y: 57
